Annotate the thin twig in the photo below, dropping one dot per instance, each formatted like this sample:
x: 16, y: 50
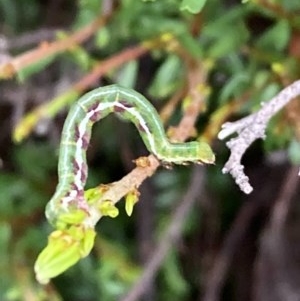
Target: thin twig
x: 170, y: 236
x: 168, y: 109
x: 197, y: 77
x: 27, y: 39
x: 283, y: 202
x: 249, y: 129
x: 10, y: 68
x: 217, y: 275
x: 275, y: 253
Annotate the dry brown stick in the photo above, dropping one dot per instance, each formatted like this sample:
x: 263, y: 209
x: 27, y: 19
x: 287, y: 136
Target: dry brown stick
x: 170, y: 235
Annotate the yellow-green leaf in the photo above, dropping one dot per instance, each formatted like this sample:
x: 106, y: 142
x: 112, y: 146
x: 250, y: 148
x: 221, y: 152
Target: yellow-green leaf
x: 192, y: 6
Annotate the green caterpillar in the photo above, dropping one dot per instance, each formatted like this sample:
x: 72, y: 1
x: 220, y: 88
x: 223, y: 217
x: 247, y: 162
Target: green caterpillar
x: 93, y: 106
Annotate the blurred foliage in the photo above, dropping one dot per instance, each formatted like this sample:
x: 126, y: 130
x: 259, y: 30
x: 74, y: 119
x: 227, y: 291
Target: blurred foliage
x: 252, y: 50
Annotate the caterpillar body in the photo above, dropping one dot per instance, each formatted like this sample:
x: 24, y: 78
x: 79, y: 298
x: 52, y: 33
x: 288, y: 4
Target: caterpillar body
x: 93, y: 106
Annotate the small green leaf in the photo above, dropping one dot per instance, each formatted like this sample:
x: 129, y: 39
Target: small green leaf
x: 93, y: 194
x: 126, y: 76
x: 167, y: 77
x: 192, y: 6
x: 234, y: 86
x: 107, y: 208
x: 130, y: 200
x: 276, y: 38
x: 73, y: 217
x: 87, y: 242
x: 102, y: 37
x: 191, y: 45
x: 34, y: 68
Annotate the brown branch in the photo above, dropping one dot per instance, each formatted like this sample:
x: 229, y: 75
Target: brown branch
x: 109, y: 64
x: 196, y: 80
x: 168, y: 109
x: 169, y: 237
x: 133, y: 179
x: 10, y: 68
x: 28, y: 39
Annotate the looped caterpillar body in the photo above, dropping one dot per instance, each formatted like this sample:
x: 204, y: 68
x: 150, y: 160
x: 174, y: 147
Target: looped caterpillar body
x: 76, y: 134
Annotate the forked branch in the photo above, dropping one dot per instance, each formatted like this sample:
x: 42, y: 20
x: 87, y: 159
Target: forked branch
x: 249, y: 129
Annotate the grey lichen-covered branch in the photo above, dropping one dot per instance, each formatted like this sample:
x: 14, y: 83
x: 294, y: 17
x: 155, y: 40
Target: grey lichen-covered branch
x: 249, y: 129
